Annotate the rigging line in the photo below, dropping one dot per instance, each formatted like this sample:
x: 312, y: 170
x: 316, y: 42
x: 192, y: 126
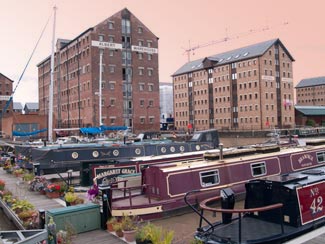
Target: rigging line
x: 21, y: 76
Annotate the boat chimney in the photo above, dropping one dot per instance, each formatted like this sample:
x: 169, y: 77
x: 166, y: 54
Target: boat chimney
x: 221, y: 151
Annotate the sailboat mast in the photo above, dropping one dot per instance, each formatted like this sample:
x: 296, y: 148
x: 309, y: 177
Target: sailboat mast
x: 50, y: 125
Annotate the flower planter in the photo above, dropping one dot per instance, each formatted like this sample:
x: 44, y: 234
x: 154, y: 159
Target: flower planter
x: 129, y: 235
x: 119, y: 233
x: 110, y: 227
x: 54, y: 194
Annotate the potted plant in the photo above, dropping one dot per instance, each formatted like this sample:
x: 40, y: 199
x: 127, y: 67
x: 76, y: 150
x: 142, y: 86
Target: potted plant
x: 8, y: 166
x: 21, y: 205
x: 70, y: 198
x: 151, y: 233
x: 2, y: 185
x: 79, y: 200
x: 28, y: 177
x: 26, y: 214
x: 143, y: 234
x: 118, y: 229
x: 39, y: 183
x: 53, y: 190
x: 92, y: 194
x: 110, y: 224
x: 18, y: 171
x: 129, y: 227
x: 8, y: 198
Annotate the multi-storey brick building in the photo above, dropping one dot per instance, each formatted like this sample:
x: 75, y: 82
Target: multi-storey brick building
x: 249, y: 88
x: 130, y: 83
x: 311, y: 92
x: 5, y: 93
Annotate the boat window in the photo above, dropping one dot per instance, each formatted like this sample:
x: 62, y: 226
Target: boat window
x: 258, y: 169
x: 321, y: 157
x: 209, y: 178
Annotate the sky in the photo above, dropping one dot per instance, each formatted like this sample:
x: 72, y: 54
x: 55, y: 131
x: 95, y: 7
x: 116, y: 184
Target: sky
x: 179, y: 24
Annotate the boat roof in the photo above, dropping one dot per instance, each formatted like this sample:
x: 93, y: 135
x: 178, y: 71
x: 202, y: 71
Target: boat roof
x: 204, y: 163
x: 299, y: 179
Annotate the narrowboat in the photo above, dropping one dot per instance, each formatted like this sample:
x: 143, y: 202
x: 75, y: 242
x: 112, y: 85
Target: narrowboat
x: 161, y: 188
x: 63, y: 157
x: 277, y: 208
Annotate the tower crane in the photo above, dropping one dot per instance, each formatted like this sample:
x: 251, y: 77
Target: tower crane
x: 227, y: 38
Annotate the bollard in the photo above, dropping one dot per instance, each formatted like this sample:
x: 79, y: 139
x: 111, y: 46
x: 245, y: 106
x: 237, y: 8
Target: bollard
x: 36, y: 169
x: 41, y: 218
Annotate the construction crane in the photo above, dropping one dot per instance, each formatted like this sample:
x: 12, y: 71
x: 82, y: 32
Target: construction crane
x: 225, y: 39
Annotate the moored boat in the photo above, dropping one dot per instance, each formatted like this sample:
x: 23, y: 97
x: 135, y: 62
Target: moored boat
x: 163, y: 186
x: 83, y: 156
x: 277, y: 209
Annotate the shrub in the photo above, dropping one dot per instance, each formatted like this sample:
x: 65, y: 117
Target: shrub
x: 22, y: 205
x: 70, y: 197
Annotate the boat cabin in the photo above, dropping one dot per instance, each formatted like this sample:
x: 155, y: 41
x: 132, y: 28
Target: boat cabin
x: 277, y: 208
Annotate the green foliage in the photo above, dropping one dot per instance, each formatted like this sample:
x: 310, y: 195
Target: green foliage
x: 310, y: 122
x: 22, y: 205
x: 28, y: 177
x: 111, y: 220
x: 70, y: 197
x: 155, y: 234
x: 26, y: 214
x: 129, y: 223
x: 117, y: 227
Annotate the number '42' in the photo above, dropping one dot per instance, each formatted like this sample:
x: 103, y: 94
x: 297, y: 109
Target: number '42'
x: 317, y: 205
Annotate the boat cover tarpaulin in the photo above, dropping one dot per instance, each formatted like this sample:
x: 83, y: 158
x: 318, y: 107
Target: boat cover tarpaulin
x: 101, y: 129
x: 19, y: 133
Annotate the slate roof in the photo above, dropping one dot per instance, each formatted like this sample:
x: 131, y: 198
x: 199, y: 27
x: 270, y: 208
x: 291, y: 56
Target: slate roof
x: 31, y: 106
x: 6, y: 77
x: 232, y: 56
x: 311, y: 110
x: 315, y: 81
x: 17, y: 106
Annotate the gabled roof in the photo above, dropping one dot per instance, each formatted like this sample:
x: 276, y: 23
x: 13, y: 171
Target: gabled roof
x: 30, y: 106
x: 311, y: 110
x: 6, y: 77
x: 315, y: 81
x: 232, y: 56
x: 17, y: 106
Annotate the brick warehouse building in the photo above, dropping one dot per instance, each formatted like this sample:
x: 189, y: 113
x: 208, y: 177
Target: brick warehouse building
x: 311, y: 92
x: 5, y: 93
x: 130, y: 83
x: 250, y: 88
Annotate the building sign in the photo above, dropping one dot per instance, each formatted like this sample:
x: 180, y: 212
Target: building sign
x: 109, y: 45
x: 4, y: 98
x: 141, y: 49
x: 311, y: 202
x: 267, y: 77
x: 112, y: 172
x: 286, y: 79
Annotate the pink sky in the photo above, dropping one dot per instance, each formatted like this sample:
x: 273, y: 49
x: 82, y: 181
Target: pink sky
x: 175, y: 22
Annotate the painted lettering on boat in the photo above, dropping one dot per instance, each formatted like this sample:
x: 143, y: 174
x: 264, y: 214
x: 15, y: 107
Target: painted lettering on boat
x: 306, y: 157
x: 104, y: 172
